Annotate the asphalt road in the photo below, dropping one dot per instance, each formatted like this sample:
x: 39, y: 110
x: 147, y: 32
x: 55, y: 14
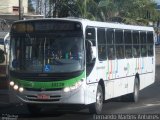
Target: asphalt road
x: 149, y: 103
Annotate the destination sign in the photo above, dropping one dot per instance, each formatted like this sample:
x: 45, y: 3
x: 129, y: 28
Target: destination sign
x: 45, y: 26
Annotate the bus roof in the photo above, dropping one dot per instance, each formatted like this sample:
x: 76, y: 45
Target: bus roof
x: 87, y: 22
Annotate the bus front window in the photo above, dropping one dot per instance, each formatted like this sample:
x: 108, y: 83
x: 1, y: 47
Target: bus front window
x: 49, y: 54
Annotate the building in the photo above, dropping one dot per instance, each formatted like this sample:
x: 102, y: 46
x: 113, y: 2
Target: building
x: 12, y: 6
x: 9, y: 12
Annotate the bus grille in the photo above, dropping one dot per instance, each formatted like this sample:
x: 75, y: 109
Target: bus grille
x: 39, y: 89
x: 35, y: 98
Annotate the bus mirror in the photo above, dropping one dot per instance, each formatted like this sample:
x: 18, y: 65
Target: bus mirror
x: 2, y: 56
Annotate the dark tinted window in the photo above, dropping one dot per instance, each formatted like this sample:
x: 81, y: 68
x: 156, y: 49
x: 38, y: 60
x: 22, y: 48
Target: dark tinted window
x: 111, y: 52
x: 119, y: 51
x: 127, y: 37
x: 118, y: 36
x: 136, y: 51
x: 102, y: 52
x: 2, y: 57
x: 101, y: 36
x: 143, y: 50
x: 90, y: 35
x: 110, y: 36
x: 135, y: 37
x: 101, y: 44
x: 119, y: 44
x: 143, y: 37
x: 128, y: 51
x: 150, y: 38
x: 150, y: 50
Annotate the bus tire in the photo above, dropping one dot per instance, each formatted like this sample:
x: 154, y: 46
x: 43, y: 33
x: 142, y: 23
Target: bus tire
x: 96, y: 108
x: 34, y: 109
x: 134, y: 97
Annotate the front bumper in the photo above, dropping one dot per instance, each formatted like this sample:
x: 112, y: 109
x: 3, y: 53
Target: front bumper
x: 57, y: 96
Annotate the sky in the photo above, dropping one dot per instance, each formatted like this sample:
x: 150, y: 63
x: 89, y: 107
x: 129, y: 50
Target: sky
x: 157, y: 1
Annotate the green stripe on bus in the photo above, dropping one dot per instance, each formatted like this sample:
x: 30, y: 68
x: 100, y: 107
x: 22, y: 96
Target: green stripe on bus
x: 48, y: 85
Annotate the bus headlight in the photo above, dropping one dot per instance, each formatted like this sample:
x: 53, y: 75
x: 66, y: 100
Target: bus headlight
x: 75, y: 86
x: 15, y: 87
x: 11, y: 83
x: 66, y: 89
x: 78, y: 84
x: 21, y: 89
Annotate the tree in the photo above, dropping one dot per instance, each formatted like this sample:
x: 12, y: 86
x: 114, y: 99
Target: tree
x: 129, y: 11
x: 125, y: 11
x: 87, y: 9
x: 30, y: 6
x: 59, y: 8
x: 84, y: 8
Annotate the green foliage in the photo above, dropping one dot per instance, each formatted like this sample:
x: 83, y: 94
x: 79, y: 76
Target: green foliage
x: 85, y: 7
x: 30, y: 6
x: 125, y: 11
x: 130, y: 11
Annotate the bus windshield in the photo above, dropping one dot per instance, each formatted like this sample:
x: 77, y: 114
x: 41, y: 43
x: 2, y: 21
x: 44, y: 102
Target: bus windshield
x: 47, y: 53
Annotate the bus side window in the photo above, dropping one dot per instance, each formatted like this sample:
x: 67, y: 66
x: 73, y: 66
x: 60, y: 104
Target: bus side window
x: 90, y: 35
x: 128, y: 43
x: 150, y: 50
x: 120, y: 51
x: 89, y: 51
x: 119, y: 43
x: 111, y: 52
x: 143, y: 40
x: 110, y: 44
x: 150, y: 38
x: 101, y: 44
x: 90, y: 43
x: 136, y: 46
x: 150, y: 42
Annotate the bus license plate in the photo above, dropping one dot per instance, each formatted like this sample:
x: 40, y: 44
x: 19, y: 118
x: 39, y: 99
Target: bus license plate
x: 43, y: 97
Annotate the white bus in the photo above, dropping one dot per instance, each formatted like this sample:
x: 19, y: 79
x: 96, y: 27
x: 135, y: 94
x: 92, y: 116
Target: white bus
x: 79, y: 62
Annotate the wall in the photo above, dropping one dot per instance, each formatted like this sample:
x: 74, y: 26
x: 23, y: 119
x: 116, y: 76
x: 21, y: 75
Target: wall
x: 6, y: 6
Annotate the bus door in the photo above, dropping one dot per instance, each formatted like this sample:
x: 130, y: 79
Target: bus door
x: 90, y: 43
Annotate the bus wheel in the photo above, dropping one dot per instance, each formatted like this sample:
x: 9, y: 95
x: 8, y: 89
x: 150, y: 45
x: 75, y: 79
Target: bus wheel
x: 135, y: 95
x: 34, y: 109
x: 96, y: 108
